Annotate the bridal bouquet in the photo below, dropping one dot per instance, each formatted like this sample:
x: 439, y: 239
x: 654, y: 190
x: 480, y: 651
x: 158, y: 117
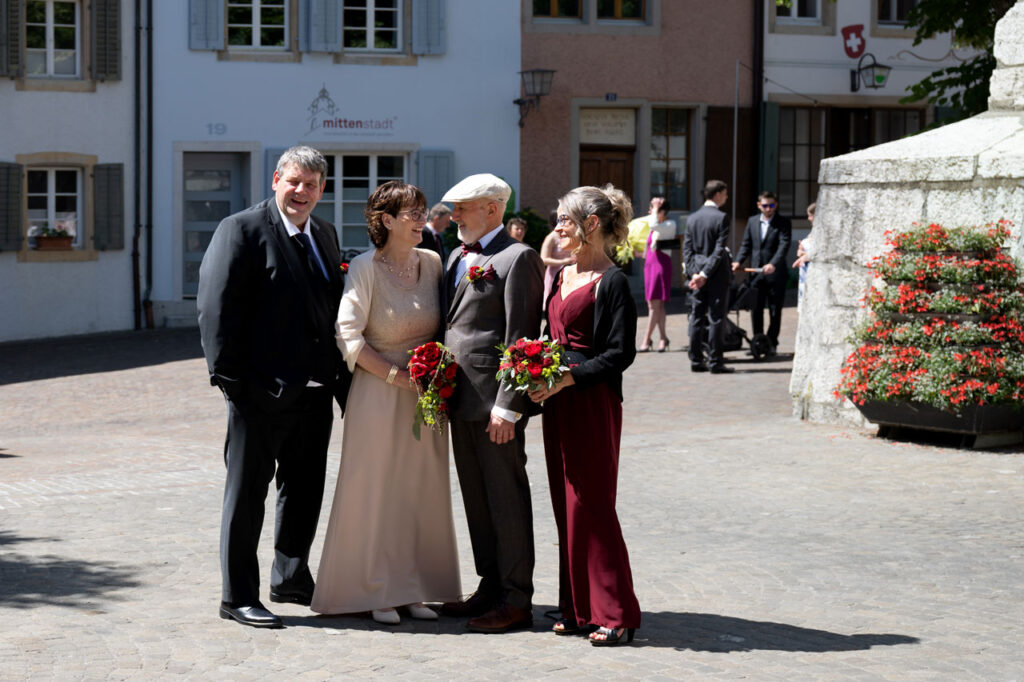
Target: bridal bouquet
x: 432, y: 368
x: 529, y: 364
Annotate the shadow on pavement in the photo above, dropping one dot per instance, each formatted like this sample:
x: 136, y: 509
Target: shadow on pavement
x: 30, y: 581
x: 724, y: 634
x: 71, y: 355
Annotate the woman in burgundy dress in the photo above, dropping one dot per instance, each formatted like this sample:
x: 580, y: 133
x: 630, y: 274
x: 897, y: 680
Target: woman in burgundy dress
x: 591, y: 313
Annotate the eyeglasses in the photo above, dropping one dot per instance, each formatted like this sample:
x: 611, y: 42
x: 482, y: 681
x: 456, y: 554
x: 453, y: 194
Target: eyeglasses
x: 767, y: 205
x: 415, y: 215
x: 566, y: 220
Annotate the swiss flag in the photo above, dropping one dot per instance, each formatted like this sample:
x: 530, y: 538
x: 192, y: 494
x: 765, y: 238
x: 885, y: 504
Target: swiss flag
x: 853, y: 40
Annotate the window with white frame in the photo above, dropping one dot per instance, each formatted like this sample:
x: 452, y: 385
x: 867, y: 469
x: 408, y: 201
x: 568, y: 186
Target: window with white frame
x: 54, y: 198
x: 257, y: 24
x: 801, y: 12
x: 372, y: 25
x: 350, y: 180
x: 52, y: 38
x: 894, y: 11
x: 670, y: 156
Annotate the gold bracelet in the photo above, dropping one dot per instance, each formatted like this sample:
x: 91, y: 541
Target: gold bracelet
x: 392, y: 374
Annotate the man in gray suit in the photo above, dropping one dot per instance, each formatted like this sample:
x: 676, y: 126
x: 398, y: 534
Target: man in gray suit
x: 706, y: 262
x: 499, y: 306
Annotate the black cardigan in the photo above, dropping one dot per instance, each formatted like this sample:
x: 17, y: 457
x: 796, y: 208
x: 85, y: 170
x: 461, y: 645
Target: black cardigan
x: 614, y: 333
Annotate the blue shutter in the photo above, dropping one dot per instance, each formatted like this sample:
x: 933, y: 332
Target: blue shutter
x: 270, y: 157
x: 105, y: 40
x: 10, y: 37
x: 320, y: 26
x: 436, y: 173
x: 10, y: 206
x: 108, y: 206
x: 206, y: 24
x: 428, y: 26
x: 769, y: 175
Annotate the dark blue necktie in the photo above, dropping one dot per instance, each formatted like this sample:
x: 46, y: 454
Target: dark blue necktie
x: 311, y: 255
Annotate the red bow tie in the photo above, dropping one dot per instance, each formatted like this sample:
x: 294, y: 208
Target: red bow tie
x: 471, y: 248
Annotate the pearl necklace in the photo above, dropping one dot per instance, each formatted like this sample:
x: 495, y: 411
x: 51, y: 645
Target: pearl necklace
x: 401, y: 273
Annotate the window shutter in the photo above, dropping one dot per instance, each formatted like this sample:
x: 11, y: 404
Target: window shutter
x: 10, y: 207
x: 769, y: 176
x: 108, y: 206
x: 320, y: 26
x: 206, y: 24
x: 10, y: 37
x: 436, y: 173
x: 270, y: 157
x: 106, y: 40
x: 428, y: 26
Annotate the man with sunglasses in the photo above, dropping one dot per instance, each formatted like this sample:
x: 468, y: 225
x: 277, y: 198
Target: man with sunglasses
x: 766, y: 242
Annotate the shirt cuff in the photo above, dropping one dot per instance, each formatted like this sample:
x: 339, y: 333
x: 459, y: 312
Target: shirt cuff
x: 507, y: 415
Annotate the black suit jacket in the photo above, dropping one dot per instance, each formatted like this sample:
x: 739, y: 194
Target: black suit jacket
x: 704, y: 244
x: 432, y: 241
x: 772, y: 249
x: 266, y: 320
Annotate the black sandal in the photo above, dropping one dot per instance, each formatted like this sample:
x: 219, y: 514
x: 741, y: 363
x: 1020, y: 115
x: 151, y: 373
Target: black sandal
x: 612, y: 636
x: 566, y: 626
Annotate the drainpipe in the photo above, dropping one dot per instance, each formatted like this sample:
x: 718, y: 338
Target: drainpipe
x: 148, y: 302
x: 136, y: 231
x: 757, y: 89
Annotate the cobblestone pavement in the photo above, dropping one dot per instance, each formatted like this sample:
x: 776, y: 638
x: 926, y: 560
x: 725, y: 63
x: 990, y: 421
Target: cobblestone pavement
x: 762, y: 547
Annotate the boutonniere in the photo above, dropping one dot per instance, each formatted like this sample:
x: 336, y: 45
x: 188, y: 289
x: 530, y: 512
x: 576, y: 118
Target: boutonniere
x: 475, y: 273
x: 344, y: 268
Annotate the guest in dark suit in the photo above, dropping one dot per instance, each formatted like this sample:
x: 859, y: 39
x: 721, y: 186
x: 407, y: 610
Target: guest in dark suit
x: 706, y: 264
x: 488, y: 423
x: 591, y: 314
x: 269, y: 288
x: 433, y: 231
x: 766, y: 242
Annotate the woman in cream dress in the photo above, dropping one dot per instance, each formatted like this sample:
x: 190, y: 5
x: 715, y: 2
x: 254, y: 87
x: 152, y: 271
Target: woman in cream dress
x: 390, y: 538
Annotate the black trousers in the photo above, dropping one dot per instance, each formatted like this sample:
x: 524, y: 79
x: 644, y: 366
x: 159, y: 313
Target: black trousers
x: 499, y: 511
x: 291, y: 446
x: 773, y: 295
x: 710, y: 305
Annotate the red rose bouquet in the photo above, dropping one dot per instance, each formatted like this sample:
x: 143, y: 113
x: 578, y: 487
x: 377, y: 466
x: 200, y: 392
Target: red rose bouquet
x: 432, y: 368
x: 529, y: 364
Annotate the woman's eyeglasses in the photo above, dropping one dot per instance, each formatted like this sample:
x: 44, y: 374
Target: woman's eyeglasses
x: 415, y: 215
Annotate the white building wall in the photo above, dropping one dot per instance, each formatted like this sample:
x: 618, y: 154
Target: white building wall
x: 460, y: 101
x: 57, y: 298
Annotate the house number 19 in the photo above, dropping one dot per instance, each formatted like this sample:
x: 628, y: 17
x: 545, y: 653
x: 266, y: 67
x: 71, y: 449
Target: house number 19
x: 216, y: 128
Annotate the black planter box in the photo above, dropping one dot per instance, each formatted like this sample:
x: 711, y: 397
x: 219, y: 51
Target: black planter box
x: 983, y: 425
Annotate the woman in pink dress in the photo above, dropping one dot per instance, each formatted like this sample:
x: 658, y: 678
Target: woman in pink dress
x: 658, y: 276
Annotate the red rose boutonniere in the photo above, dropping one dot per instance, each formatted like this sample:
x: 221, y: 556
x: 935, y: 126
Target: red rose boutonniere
x: 475, y: 273
x: 344, y: 268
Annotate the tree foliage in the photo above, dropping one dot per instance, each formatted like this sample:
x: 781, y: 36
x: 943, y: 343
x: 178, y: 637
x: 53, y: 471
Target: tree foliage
x: 963, y: 87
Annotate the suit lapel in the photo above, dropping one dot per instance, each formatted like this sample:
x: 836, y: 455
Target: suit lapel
x: 495, y: 247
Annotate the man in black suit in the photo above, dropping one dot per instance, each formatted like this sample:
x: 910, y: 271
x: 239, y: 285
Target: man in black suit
x: 269, y: 289
x: 433, y: 231
x: 766, y: 242
x: 705, y: 262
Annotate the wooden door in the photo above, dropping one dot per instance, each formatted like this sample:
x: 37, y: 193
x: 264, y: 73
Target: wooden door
x: 601, y: 165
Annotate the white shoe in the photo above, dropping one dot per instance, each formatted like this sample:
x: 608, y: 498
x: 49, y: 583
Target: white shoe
x: 386, y: 616
x: 418, y: 610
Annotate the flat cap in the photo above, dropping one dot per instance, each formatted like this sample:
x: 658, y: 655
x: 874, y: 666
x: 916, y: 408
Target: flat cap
x: 480, y: 186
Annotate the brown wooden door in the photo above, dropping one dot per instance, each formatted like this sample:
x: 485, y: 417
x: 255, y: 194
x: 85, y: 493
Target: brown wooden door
x: 601, y: 165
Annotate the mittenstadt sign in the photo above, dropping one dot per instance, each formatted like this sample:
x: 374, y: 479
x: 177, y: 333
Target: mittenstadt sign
x: 325, y: 116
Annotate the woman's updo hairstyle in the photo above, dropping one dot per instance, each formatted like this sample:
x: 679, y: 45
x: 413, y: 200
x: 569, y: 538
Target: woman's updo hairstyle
x: 391, y: 198
x: 612, y: 207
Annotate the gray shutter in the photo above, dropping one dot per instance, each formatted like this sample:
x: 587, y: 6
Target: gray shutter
x: 428, y: 26
x: 206, y: 24
x: 270, y: 157
x: 436, y: 173
x: 320, y: 26
x: 769, y: 176
x: 10, y: 207
x: 106, y: 40
x: 11, y: 20
x: 108, y: 206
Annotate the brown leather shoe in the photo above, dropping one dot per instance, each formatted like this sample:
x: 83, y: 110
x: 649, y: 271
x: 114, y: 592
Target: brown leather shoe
x: 502, y: 619
x: 476, y: 605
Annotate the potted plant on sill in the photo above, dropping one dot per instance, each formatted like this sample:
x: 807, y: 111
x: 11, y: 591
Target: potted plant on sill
x: 52, y: 238
x: 943, y: 346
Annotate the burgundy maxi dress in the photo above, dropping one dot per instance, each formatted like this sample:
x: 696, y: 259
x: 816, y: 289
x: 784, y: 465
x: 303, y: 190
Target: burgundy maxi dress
x: 582, y: 429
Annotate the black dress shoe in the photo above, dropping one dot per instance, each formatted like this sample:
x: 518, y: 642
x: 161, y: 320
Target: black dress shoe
x: 255, y: 615
x: 698, y: 368
x: 477, y: 605
x: 292, y: 597
x: 722, y: 369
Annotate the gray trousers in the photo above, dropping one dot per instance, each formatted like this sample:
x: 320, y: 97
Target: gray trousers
x: 499, y: 513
